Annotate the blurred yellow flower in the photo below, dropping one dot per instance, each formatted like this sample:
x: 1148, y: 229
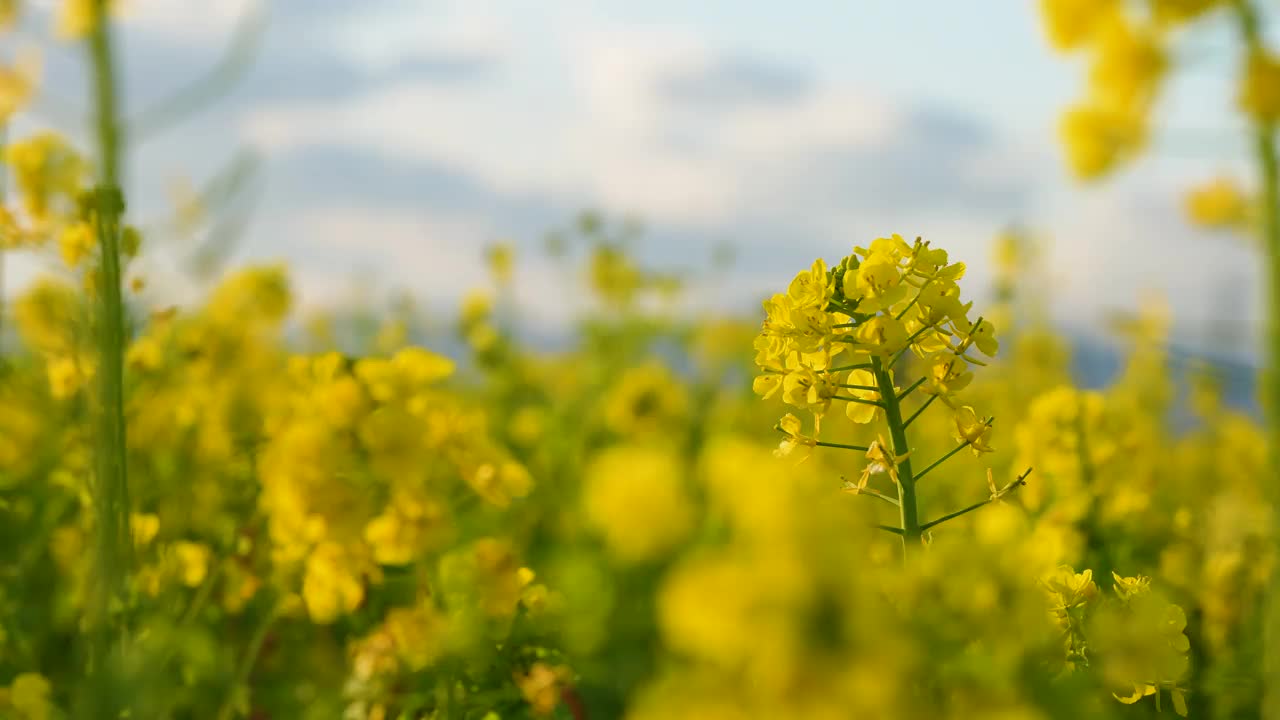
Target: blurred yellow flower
x: 192, y: 562
x: 635, y: 498
x: 76, y: 243
x: 1098, y: 138
x: 1218, y: 204
x: 331, y: 585
x: 1072, y: 23
x: 17, y: 82
x: 1260, y: 87
x: 29, y: 696
x: 1128, y: 65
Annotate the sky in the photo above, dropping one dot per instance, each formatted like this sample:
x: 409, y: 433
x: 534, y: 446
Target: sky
x: 398, y: 138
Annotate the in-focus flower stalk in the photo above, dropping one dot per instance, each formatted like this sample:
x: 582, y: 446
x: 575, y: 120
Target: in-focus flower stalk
x: 878, y: 304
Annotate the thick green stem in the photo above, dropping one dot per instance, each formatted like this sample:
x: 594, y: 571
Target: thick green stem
x: 106, y: 207
x: 908, y: 512
x: 1264, y: 143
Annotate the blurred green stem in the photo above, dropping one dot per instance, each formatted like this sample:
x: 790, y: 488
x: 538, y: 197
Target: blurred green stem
x: 111, y: 492
x: 1264, y: 142
x: 228, y: 708
x: 908, y: 513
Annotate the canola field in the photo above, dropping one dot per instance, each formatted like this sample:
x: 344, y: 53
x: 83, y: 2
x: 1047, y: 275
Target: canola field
x: 876, y: 498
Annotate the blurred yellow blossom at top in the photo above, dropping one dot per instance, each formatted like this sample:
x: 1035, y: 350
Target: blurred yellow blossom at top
x: 8, y: 13
x: 1129, y: 63
x: 76, y: 18
x: 1072, y: 23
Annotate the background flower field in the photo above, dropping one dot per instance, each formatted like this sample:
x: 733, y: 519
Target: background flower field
x: 896, y: 490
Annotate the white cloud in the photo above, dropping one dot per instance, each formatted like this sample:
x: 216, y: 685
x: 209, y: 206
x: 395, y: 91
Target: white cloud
x: 205, y: 23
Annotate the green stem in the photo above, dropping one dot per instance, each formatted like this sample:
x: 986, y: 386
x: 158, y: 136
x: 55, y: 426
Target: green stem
x: 228, y: 707
x: 1264, y: 141
x: 858, y: 401
x: 955, y: 514
x: 903, y: 395
x: 111, y: 487
x: 1019, y: 482
x: 908, y: 512
x: 919, y: 410
x: 840, y: 446
x: 942, y: 459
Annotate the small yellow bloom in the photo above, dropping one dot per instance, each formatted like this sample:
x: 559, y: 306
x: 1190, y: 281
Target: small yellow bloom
x: 541, y: 687
x: 880, y: 459
x: 795, y: 438
x: 144, y: 527
x: 1218, y: 204
x: 1127, y: 587
x: 811, y: 288
x: 331, y: 585
x: 972, y: 430
x: 29, y: 695
x: 67, y: 375
x: 76, y: 243
x: 193, y: 562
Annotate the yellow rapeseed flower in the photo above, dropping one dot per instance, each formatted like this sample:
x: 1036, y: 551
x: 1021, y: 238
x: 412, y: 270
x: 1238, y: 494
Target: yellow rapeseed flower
x: 1098, y: 138
x: 636, y: 499
x: 1260, y: 87
x: 29, y: 696
x: 1072, y: 23
x: 76, y: 243
x: 17, y: 82
x: 1218, y: 204
x: 862, y: 413
x: 1128, y: 65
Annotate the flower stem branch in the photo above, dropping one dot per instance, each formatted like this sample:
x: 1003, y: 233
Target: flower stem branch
x: 920, y: 410
x: 1017, y: 483
x: 903, y: 395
